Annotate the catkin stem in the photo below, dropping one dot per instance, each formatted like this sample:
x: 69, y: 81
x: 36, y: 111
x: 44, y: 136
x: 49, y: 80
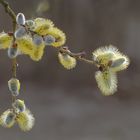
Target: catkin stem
x: 77, y: 56
x: 14, y: 67
x: 12, y: 14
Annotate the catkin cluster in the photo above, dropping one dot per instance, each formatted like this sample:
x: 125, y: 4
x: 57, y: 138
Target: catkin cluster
x: 18, y: 113
x: 109, y: 61
x: 30, y: 38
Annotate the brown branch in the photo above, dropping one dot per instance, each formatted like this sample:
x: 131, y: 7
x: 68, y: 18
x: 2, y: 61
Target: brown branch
x: 12, y: 14
x: 78, y: 56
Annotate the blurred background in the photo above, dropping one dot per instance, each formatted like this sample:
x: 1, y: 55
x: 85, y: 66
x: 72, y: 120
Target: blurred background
x: 68, y: 105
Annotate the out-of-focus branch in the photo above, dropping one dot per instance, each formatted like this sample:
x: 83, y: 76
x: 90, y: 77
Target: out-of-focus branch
x: 10, y: 12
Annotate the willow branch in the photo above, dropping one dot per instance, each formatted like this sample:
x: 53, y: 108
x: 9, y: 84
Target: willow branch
x: 79, y: 56
x: 12, y: 14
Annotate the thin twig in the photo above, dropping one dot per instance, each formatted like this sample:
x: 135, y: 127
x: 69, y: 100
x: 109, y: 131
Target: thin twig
x: 12, y: 14
x: 78, y: 56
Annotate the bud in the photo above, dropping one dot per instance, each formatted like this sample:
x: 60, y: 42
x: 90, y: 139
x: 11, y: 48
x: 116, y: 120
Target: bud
x: 14, y: 86
x: 7, y: 119
x: 37, y: 40
x: 49, y: 39
x: 12, y: 52
x: 19, y: 106
x: 30, y: 24
x: 20, y: 19
x: 20, y: 32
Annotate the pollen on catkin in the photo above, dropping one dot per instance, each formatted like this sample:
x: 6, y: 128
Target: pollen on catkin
x: 25, y: 120
x: 104, y: 54
x: 38, y: 52
x: 107, y: 82
x: 42, y: 26
x: 67, y: 61
x: 7, y: 119
x: 25, y: 44
x: 14, y: 86
x: 60, y: 37
x: 5, y: 40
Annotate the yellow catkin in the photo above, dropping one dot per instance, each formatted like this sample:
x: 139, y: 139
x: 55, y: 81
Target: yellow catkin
x: 107, y: 82
x: 110, y: 53
x: 25, y: 120
x: 60, y: 37
x: 42, y: 26
x: 38, y: 52
x: 104, y: 54
x: 7, y: 119
x: 25, y: 45
x: 67, y: 61
x: 5, y: 40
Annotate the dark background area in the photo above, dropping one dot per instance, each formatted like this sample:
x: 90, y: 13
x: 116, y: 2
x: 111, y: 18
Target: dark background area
x: 67, y: 104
